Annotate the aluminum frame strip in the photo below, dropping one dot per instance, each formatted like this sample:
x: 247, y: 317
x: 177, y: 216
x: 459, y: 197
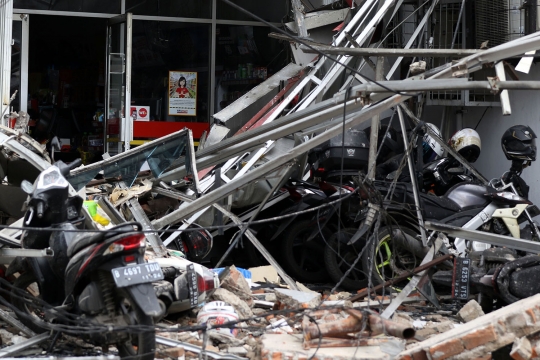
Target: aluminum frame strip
x: 485, y: 237
x: 13, y: 349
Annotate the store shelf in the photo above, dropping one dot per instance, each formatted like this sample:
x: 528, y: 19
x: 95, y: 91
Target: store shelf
x: 242, y: 82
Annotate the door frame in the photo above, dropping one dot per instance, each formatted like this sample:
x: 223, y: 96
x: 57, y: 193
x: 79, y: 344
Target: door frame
x: 126, y: 122
x: 23, y: 91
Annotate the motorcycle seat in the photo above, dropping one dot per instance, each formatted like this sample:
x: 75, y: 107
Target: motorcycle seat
x: 84, y: 239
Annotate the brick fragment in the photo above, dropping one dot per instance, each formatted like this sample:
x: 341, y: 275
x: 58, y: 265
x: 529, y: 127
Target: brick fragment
x: 521, y: 349
x: 446, y: 349
x: 479, y: 337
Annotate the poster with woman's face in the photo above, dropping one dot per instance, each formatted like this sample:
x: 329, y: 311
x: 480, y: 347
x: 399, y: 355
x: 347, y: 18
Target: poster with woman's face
x: 182, y: 93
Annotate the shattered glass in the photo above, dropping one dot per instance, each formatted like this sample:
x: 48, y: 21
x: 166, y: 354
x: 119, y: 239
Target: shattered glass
x: 126, y: 166
x: 159, y: 161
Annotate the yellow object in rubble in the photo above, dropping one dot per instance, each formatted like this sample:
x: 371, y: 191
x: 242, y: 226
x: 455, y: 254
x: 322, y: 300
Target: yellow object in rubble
x: 100, y: 220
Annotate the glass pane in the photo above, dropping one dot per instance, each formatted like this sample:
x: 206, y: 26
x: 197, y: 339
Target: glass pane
x: 126, y: 168
x: 171, y: 8
x: 160, y: 160
x: 245, y: 56
x: 127, y: 165
x: 273, y: 11
x: 15, y: 82
x: 95, y: 6
x: 160, y: 47
x: 80, y: 180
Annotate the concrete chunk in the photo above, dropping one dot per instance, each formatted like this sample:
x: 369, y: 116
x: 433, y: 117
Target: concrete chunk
x: 285, y: 346
x: 243, y: 310
x: 236, y: 283
x: 293, y: 299
x: 470, y: 311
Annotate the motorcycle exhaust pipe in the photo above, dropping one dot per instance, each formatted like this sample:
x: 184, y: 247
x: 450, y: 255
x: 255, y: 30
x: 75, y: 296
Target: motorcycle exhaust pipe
x: 409, y: 243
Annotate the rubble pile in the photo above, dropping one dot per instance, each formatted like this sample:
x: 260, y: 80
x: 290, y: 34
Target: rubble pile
x: 359, y: 242
x: 301, y: 325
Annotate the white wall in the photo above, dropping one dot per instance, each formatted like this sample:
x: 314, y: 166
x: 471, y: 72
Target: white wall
x: 525, y: 111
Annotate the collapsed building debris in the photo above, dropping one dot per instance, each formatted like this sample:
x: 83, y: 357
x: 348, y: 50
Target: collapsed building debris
x: 178, y: 196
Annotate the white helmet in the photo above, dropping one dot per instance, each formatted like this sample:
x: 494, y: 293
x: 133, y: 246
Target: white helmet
x: 467, y: 143
x: 431, y: 148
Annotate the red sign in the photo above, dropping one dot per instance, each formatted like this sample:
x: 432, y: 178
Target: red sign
x: 143, y: 113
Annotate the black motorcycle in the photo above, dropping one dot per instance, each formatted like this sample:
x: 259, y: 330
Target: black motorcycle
x: 98, y: 278
x: 397, y: 245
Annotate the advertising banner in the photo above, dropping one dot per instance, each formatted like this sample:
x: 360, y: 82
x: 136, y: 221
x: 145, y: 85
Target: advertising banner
x: 182, y: 93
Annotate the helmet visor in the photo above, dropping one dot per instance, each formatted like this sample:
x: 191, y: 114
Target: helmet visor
x: 523, y: 148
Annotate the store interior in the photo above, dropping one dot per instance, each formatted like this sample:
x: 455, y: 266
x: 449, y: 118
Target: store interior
x: 66, y: 73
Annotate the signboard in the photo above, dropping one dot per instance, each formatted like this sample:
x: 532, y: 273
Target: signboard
x: 182, y: 93
x: 460, y: 283
x: 140, y: 113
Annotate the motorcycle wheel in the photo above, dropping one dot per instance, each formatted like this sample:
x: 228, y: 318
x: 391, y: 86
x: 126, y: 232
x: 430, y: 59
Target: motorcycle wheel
x: 140, y: 345
x: 302, y: 259
x: 388, y: 260
x: 24, y: 282
x: 339, y: 257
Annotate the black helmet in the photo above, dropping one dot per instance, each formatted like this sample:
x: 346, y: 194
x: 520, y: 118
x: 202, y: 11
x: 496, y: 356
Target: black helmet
x: 518, y: 143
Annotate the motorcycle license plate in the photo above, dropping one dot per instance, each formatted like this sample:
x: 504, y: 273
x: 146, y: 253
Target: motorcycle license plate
x: 137, y: 274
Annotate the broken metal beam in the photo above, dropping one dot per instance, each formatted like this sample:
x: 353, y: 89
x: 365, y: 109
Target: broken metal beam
x: 363, y: 293
x: 485, y: 237
x: 390, y: 309
x: 286, y: 278
x: 140, y: 216
x: 447, y: 84
x: 16, y: 323
x: 471, y: 63
x: 334, y: 50
x: 253, y: 175
x: 13, y: 349
x: 257, y: 137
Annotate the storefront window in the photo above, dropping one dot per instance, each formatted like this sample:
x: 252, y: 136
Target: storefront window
x: 171, y: 8
x: 165, y: 49
x: 245, y: 57
x: 272, y: 11
x: 95, y: 6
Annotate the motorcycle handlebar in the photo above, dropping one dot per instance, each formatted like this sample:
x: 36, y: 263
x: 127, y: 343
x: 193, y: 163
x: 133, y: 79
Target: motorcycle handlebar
x: 66, y: 168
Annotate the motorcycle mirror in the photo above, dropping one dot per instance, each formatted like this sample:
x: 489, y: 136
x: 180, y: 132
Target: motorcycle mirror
x: 27, y: 187
x: 456, y: 171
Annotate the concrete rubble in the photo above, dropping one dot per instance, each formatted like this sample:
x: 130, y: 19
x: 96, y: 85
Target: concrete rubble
x: 202, y: 210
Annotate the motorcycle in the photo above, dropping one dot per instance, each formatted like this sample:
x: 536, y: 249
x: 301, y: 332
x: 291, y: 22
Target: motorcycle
x: 340, y: 253
x: 468, y: 205
x: 99, y: 278
x: 302, y: 246
x: 503, y: 273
